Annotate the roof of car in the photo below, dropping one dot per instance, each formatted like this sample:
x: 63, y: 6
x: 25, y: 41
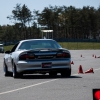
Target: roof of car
x: 34, y: 39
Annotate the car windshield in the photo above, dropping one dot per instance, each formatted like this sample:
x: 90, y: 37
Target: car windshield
x: 38, y: 44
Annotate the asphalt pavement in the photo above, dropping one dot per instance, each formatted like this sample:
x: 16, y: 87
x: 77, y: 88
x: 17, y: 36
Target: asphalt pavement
x: 43, y: 87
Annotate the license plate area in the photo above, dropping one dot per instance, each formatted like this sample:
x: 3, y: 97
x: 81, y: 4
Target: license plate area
x: 46, y: 65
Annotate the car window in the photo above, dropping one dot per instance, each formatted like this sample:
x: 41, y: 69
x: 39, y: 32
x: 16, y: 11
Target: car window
x: 39, y: 44
x: 15, y: 46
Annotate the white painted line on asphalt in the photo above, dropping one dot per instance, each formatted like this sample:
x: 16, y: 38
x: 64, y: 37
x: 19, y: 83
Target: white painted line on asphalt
x: 34, y: 85
x: 28, y: 86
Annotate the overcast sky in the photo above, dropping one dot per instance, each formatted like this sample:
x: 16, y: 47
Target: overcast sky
x: 6, y: 6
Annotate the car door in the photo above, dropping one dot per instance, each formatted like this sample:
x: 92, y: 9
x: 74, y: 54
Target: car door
x: 10, y: 57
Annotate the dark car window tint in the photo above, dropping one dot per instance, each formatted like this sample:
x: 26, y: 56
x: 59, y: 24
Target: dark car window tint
x: 39, y: 44
x: 15, y: 46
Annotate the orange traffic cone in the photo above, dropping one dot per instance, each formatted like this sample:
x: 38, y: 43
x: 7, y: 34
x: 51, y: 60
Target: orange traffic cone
x: 98, y: 57
x: 80, y: 70
x: 90, y: 71
x: 72, y: 62
x: 93, y: 55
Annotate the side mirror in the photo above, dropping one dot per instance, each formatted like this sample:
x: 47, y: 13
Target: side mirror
x: 7, y: 52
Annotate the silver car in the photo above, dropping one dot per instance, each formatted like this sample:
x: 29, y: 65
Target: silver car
x: 37, y: 56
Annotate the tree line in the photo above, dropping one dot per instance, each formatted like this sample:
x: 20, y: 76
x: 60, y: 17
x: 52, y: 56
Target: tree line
x: 66, y: 23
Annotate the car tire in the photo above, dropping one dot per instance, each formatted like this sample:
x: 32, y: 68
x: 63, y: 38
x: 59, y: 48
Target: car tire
x: 15, y: 74
x: 6, y: 72
x: 2, y: 51
x: 66, y: 73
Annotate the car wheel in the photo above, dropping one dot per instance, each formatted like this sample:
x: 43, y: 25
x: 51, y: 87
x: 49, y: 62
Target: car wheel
x: 6, y: 72
x: 2, y: 51
x: 66, y: 73
x: 14, y: 72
